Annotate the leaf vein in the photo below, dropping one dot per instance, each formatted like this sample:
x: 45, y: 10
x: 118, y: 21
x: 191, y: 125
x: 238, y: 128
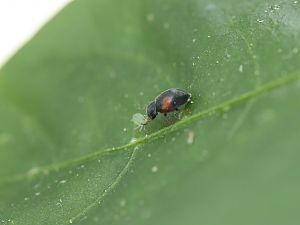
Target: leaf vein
x: 258, y: 91
x: 108, y: 190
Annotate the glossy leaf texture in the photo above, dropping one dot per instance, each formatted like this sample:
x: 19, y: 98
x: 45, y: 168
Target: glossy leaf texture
x: 69, y: 152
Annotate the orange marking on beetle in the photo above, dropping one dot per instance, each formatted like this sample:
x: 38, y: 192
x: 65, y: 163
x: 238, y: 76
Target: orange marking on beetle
x: 166, y: 105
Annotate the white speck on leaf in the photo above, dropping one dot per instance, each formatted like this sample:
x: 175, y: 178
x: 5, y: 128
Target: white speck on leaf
x: 154, y: 169
x: 210, y: 7
x: 33, y: 171
x: 190, y: 137
x: 133, y: 140
x: 59, y: 203
x: 260, y: 20
x: 150, y: 17
x: 122, y: 202
x: 166, y: 25
x: 241, y: 68
x: 295, y: 50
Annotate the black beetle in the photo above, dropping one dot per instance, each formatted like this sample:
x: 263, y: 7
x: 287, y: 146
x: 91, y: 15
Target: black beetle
x: 168, y: 101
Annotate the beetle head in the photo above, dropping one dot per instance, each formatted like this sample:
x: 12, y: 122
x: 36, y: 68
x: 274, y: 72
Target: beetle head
x: 151, y: 111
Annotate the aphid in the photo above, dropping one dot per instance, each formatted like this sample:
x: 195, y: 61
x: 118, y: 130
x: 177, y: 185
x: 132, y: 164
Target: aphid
x: 139, y: 120
x: 168, y: 101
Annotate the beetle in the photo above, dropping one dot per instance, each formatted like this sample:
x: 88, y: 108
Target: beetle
x: 166, y: 102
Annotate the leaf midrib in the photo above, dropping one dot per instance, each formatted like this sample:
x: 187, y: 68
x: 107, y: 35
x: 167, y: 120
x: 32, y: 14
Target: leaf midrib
x: 266, y: 88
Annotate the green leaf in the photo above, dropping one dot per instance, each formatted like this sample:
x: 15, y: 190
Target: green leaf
x: 69, y: 152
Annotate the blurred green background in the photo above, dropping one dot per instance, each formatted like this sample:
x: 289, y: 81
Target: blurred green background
x: 67, y: 98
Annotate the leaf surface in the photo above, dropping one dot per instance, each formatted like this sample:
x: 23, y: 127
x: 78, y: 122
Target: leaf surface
x: 69, y: 152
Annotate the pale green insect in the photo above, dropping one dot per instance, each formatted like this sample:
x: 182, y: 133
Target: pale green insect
x: 139, y: 120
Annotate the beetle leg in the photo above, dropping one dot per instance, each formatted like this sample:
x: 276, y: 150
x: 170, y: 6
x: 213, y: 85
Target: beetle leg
x: 178, y: 114
x: 186, y: 112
